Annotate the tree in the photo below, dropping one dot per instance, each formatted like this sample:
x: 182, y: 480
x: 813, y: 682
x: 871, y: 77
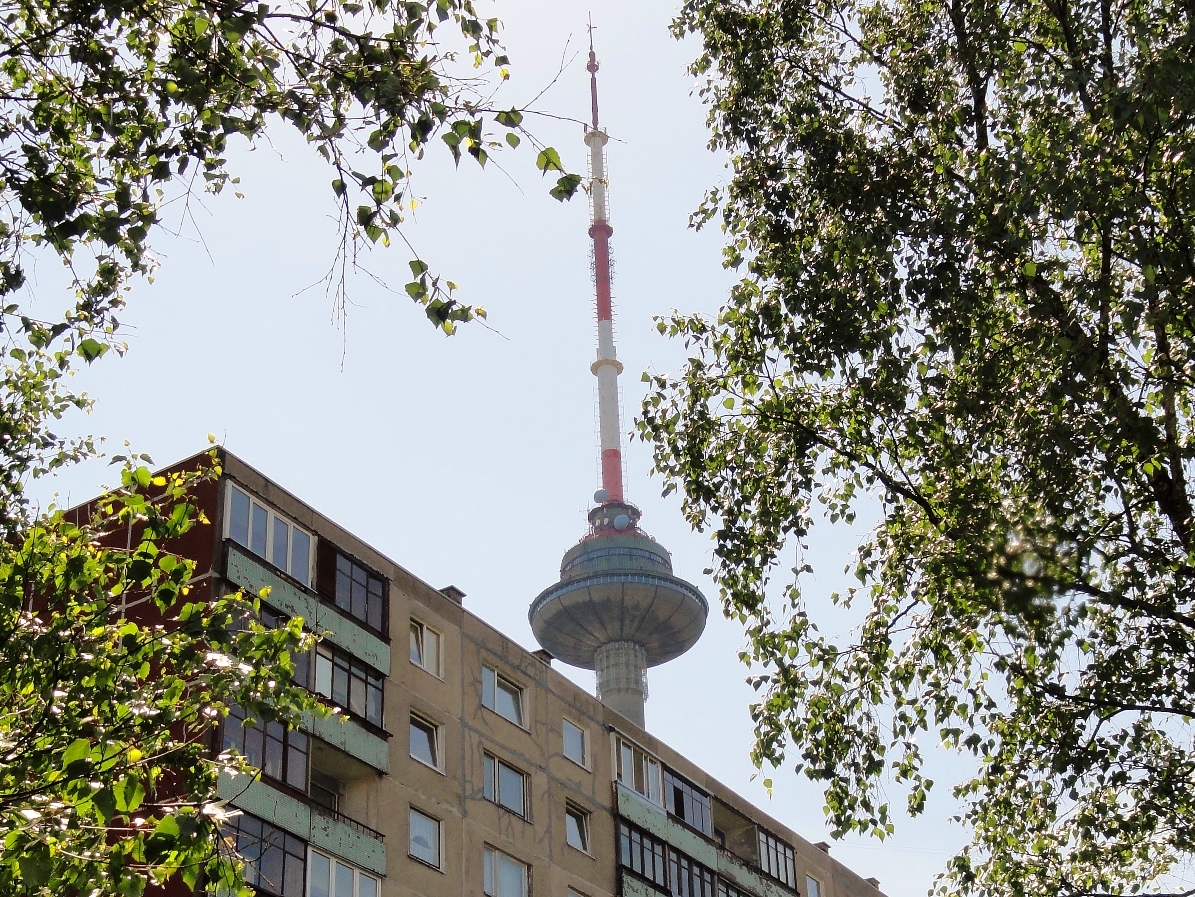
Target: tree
x: 967, y: 312
x: 112, y: 681
x: 107, y: 112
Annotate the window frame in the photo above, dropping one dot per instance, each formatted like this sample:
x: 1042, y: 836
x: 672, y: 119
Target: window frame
x: 492, y: 779
x: 492, y: 683
x: 370, y: 576
x: 373, y: 682
x: 694, y: 801
x: 651, y: 770
x: 333, y: 862
x: 583, y: 762
x: 418, y: 720
x: 423, y: 630
x: 817, y: 884
x: 784, y: 855
x: 273, y: 517
x: 438, y: 826
x: 254, y: 742
x: 490, y: 879
x: 269, y: 837
x: 581, y: 815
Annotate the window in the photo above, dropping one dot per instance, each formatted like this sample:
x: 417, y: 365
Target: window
x: 360, y: 592
x: 273, y: 859
x: 502, y: 696
x: 279, y: 754
x: 576, y: 827
x: 639, y: 771
x: 776, y: 859
x: 329, y: 877
x: 687, y: 877
x: 726, y: 889
x: 425, y: 741
x: 325, y: 791
x: 348, y: 683
x: 687, y: 802
x: 425, y: 648
x: 642, y: 854
x: 574, y: 742
x: 505, y: 785
x: 813, y: 887
x: 424, y: 842
x: 503, y: 876
x: 268, y: 534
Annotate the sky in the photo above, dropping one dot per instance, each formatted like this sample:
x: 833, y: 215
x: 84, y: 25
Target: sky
x: 471, y: 460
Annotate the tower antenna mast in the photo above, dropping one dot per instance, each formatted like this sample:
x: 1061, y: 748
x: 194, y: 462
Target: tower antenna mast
x: 606, y: 367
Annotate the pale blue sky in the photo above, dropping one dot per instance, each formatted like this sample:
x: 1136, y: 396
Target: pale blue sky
x: 472, y: 460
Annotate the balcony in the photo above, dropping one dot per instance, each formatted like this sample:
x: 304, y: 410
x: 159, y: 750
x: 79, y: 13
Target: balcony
x: 324, y: 829
x: 652, y: 818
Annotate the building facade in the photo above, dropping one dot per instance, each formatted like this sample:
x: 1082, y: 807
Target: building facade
x: 461, y: 764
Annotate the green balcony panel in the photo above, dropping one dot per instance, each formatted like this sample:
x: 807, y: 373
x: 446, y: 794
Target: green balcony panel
x: 256, y: 797
x: 634, y: 887
x: 344, y: 841
x: 248, y: 572
x: 350, y: 737
x: 292, y: 815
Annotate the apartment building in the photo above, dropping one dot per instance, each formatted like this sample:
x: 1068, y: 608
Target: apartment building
x: 461, y: 763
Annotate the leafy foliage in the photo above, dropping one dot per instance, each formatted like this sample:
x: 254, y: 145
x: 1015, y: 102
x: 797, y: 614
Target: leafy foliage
x: 966, y: 310
x: 112, y: 680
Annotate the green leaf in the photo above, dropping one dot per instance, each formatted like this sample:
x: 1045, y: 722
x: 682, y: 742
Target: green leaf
x: 566, y: 187
x: 511, y: 118
x: 548, y: 160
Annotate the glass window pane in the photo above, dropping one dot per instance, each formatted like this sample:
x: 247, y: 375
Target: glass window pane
x: 340, y: 684
x: 300, y: 556
x: 374, y: 612
x: 323, y: 674
x: 487, y: 688
x: 511, y: 877
x: 431, y: 651
x: 425, y: 838
x: 510, y: 789
x: 488, y: 872
x: 238, y: 516
x: 258, y: 530
x: 373, y: 701
x: 318, y: 872
x: 344, y: 880
x: 490, y: 792
x: 357, y: 695
x: 269, y: 867
x: 367, y: 886
x: 292, y: 879
x: 423, y: 742
x: 574, y: 743
x: 813, y: 887
x: 510, y: 703
x: 417, y: 644
x: 280, y: 550
x: 574, y: 829
x: 272, y: 764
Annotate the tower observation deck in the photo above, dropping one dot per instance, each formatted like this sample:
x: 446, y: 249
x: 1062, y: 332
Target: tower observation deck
x: 617, y: 609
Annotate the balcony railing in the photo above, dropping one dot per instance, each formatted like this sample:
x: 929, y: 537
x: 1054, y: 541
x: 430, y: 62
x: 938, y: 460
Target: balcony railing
x: 352, y: 823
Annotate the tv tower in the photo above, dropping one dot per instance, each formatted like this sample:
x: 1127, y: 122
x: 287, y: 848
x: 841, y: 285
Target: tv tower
x: 617, y: 608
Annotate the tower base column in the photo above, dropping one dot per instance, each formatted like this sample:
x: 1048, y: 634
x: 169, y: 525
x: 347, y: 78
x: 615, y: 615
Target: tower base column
x: 621, y: 669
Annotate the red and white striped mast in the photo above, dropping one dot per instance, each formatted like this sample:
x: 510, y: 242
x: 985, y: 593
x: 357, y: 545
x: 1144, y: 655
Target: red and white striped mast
x: 606, y: 367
